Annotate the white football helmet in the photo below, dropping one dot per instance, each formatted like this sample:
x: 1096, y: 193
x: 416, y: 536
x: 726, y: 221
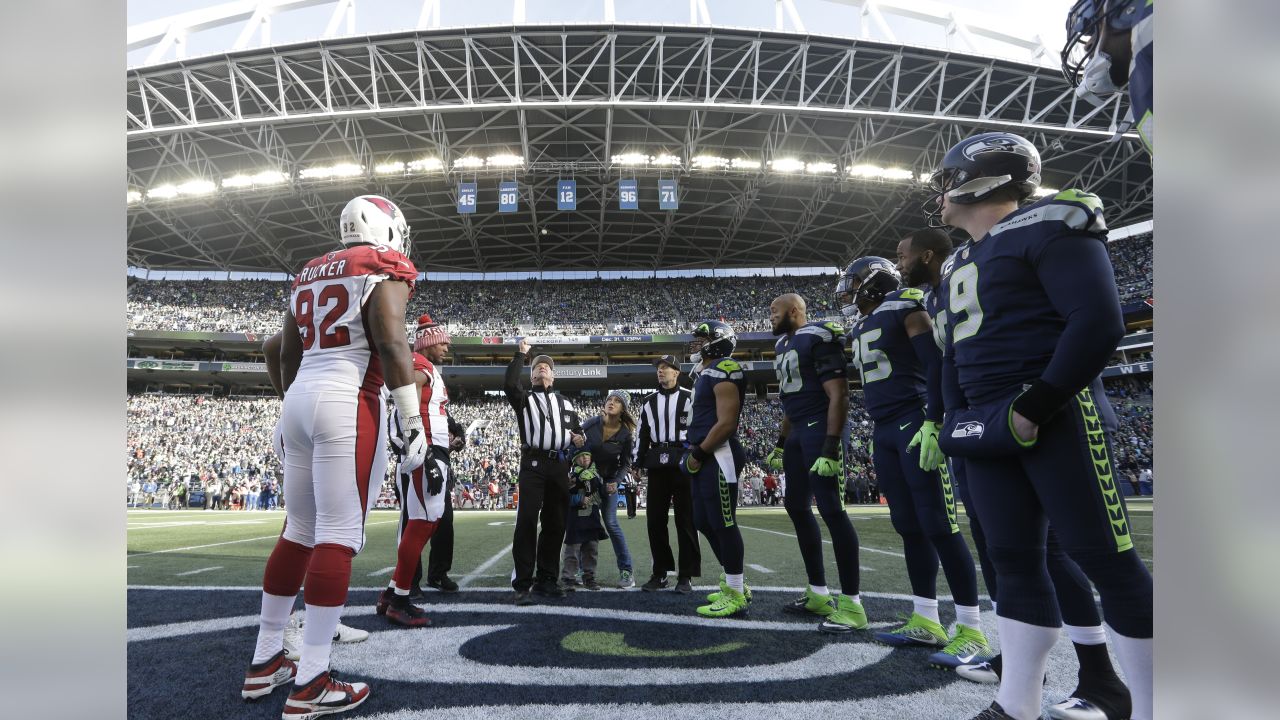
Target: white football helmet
x: 375, y: 220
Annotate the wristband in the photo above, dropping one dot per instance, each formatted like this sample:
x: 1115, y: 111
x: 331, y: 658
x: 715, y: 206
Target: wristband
x: 406, y: 397
x: 831, y: 447
x: 1040, y: 402
x: 699, y: 454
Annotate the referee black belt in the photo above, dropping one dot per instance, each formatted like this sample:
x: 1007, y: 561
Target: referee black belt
x: 557, y: 455
x: 668, y: 446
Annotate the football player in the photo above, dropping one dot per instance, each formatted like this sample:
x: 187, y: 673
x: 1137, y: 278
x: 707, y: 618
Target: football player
x: 812, y: 385
x: 715, y: 458
x: 1033, y: 317
x: 893, y: 349
x: 924, y: 261
x: 343, y: 339
x: 1109, y: 44
x: 422, y: 491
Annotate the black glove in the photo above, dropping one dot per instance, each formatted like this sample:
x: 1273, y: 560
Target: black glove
x: 435, y: 478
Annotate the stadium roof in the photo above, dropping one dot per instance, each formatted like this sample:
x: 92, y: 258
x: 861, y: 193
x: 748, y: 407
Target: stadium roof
x: 831, y: 134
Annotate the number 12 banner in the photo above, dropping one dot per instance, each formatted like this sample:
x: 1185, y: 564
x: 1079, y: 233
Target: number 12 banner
x: 667, y: 195
x: 628, y: 195
x: 567, y: 195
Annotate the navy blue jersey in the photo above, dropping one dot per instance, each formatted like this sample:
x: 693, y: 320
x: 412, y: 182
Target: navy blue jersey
x: 893, y: 380
x: 1140, y: 77
x: 935, y: 300
x: 1003, y: 327
x: 703, y: 409
x: 804, y: 360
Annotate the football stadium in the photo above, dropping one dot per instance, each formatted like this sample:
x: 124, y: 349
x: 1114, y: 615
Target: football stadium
x: 608, y: 214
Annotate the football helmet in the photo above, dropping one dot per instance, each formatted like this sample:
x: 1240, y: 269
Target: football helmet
x: 867, y: 279
x: 978, y: 166
x: 712, y: 340
x: 1084, y: 64
x: 374, y: 220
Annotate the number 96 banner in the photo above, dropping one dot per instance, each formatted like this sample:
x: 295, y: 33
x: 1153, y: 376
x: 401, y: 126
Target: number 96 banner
x: 628, y: 195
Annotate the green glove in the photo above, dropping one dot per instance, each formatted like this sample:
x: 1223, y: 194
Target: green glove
x: 831, y: 462
x: 773, y: 460
x: 927, y: 439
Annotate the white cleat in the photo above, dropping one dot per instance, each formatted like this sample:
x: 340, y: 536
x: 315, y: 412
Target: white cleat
x: 1076, y: 709
x: 293, y: 636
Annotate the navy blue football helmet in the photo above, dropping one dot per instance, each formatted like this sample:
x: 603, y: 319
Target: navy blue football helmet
x: 712, y: 340
x: 978, y: 166
x: 1084, y: 26
x: 867, y: 279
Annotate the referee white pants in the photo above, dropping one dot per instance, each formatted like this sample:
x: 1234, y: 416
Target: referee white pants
x: 334, y: 446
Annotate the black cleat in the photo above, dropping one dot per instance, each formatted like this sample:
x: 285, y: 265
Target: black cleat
x: 443, y: 584
x: 655, y: 583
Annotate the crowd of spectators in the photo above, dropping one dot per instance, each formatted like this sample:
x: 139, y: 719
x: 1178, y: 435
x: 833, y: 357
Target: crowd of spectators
x: 1132, y: 399
x: 542, y: 307
x: 1131, y: 258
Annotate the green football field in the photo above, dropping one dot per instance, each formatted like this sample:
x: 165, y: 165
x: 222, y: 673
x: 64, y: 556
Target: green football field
x: 229, y: 548
x: 195, y: 588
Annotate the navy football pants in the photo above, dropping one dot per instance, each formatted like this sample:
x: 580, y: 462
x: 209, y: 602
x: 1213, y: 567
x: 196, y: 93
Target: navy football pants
x: 801, y: 451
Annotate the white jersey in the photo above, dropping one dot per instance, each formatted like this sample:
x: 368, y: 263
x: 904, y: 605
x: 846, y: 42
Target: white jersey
x: 328, y: 301
x: 435, y: 418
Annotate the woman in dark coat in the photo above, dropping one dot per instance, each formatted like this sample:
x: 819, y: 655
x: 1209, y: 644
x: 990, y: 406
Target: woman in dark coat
x: 611, y: 439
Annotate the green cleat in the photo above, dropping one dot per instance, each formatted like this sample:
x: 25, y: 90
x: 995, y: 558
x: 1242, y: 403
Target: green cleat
x: 849, y: 616
x: 919, y: 630
x: 724, y: 585
x: 968, y: 646
x: 731, y: 604
x: 812, y: 602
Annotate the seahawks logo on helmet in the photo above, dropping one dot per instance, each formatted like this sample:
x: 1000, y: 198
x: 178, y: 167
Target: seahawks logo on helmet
x: 996, y: 143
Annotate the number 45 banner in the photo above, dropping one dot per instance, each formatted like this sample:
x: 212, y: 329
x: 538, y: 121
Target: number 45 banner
x: 467, y: 197
x: 667, y: 195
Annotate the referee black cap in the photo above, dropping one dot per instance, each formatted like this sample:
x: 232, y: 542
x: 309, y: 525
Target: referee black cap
x: 667, y: 360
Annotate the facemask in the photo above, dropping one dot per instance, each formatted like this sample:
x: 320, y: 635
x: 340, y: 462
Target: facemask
x: 1095, y: 83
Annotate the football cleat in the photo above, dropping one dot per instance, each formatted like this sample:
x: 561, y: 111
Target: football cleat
x: 265, y: 677
x: 985, y: 673
x: 967, y: 646
x: 995, y: 712
x: 724, y: 585
x: 384, y: 601
x: 849, y: 616
x: 812, y: 602
x: 730, y: 604
x: 293, y: 638
x: 1075, y: 708
x: 1098, y: 701
x: 918, y: 630
x: 325, y: 695
x: 404, y: 613
x: 348, y: 634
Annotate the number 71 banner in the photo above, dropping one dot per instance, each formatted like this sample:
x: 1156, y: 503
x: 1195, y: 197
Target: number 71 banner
x: 667, y: 195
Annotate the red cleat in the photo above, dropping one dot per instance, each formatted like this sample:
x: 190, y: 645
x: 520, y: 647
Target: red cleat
x: 325, y: 695
x: 262, y: 679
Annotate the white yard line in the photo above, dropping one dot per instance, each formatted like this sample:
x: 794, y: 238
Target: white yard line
x: 228, y: 542
x: 197, y: 572
x: 760, y: 568
x: 383, y: 571
x: 475, y: 574
x: 861, y: 547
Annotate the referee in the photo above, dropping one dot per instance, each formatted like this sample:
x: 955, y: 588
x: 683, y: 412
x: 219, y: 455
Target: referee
x: 664, y: 421
x: 548, y: 424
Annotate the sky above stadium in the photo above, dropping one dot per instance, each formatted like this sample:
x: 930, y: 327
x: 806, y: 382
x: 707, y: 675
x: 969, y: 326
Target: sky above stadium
x: 829, y: 17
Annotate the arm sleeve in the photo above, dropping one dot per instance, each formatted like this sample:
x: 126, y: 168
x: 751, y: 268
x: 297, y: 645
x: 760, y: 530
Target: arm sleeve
x: 511, y: 382
x: 1077, y: 276
x: 931, y: 358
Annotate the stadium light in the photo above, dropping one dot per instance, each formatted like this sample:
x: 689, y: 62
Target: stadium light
x: 1043, y: 191
x: 744, y: 164
x: 164, y: 192
x: 197, y: 187
x: 325, y: 172
x: 426, y: 165
x: 506, y: 161
x: 897, y: 174
x: 389, y: 168
x: 266, y: 177
x: 820, y: 168
x: 786, y: 165
x: 667, y: 160
x: 710, y: 162
x: 875, y: 171
x: 632, y: 159
x: 134, y: 196
x: 468, y: 163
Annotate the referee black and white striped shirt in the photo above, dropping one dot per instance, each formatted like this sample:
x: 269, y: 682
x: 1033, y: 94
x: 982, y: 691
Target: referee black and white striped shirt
x: 664, y: 419
x: 546, y: 420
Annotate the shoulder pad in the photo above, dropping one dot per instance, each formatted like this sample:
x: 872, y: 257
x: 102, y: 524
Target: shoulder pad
x: 824, y: 333
x: 729, y: 365
x: 1072, y: 210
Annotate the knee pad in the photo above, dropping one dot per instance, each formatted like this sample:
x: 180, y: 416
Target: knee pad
x: 1125, y: 586
x: 1026, y: 592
